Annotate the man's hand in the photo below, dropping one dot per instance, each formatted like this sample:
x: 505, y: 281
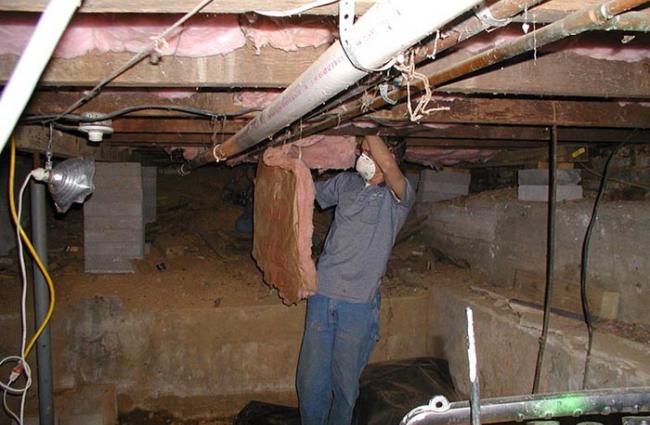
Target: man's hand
x: 386, y: 161
x: 302, y: 294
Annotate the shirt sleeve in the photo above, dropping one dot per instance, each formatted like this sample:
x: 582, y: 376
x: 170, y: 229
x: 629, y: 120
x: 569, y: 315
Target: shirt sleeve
x: 409, y: 196
x: 327, y: 191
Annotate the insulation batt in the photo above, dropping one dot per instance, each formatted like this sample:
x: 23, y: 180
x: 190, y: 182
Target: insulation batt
x: 284, y: 206
x: 203, y: 35
x: 434, y: 157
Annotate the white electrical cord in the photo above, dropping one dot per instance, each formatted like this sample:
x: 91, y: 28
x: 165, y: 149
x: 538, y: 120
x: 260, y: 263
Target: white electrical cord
x: 20, y: 360
x: 295, y: 11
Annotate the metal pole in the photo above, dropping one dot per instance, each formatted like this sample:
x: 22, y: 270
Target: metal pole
x: 41, y: 303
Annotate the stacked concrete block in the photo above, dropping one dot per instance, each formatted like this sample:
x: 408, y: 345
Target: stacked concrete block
x: 533, y: 185
x: 149, y: 175
x: 113, y: 219
x: 437, y: 186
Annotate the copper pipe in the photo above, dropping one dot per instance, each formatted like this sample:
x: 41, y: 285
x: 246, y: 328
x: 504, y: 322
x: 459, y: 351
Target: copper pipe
x: 595, y: 17
x: 501, y: 10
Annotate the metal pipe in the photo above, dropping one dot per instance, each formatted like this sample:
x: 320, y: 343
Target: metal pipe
x: 32, y: 62
x: 388, y: 28
x: 550, y: 254
x: 590, y: 18
x: 540, y: 406
x: 41, y: 304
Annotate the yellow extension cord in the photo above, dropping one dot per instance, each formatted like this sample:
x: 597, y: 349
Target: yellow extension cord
x: 30, y: 248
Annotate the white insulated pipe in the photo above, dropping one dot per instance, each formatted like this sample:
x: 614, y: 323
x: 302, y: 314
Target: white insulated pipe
x: 387, y: 29
x: 32, y: 62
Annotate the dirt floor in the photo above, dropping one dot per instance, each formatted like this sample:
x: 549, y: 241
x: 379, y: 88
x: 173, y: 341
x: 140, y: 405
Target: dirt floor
x: 195, y: 259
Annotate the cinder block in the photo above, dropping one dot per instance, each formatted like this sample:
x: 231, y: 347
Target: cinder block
x: 113, y: 219
x: 540, y: 177
x: 442, y: 185
x: 539, y: 193
x: 149, y: 175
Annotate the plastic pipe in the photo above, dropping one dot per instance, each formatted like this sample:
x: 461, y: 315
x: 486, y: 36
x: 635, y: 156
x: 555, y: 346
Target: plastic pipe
x: 32, y: 62
x: 385, y: 30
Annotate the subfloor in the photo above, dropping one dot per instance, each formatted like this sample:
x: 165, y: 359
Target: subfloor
x: 196, y: 260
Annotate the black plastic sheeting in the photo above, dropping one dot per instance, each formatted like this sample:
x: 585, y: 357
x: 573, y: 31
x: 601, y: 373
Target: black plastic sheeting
x: 387, y: 391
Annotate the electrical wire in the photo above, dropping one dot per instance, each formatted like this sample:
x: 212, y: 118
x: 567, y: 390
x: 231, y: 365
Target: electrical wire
x: 46, y: 118
x: 584, y: 263
x: 22, y: 367
x: 32, y: 252
x: 153, y: 46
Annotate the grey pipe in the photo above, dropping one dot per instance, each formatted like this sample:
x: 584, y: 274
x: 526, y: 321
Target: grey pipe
x: 41, y: 304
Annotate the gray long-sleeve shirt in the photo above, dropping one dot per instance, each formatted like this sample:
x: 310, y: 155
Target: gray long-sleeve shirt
x: 366, y: 222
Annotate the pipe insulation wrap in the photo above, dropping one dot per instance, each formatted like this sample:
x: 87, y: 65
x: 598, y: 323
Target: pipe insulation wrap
x: 384, y: 31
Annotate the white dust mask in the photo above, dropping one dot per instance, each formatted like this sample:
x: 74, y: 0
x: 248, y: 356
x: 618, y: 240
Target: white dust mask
x: 366, y: 167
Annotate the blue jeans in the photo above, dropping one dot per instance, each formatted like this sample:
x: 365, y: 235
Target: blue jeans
x: 339, y: 337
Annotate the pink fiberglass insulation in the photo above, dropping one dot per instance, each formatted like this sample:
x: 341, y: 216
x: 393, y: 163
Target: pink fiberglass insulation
x: 255, y: 98
x: 202, y: 36
x: 303, y: 227
x: 328, y: 152
x: 289, y: 36
x: 435, y: 157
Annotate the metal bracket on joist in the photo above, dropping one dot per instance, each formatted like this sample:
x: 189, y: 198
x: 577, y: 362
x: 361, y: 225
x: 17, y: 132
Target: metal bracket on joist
x: 346, y: 20
x: 489, y: 21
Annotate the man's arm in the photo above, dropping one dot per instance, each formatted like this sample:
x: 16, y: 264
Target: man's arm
x: 386, y: 161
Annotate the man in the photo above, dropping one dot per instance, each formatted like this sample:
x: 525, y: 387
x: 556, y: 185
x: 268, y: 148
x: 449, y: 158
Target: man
x: 342, y: 324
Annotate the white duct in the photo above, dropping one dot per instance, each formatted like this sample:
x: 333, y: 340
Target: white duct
x: 384, y: 31
x: 32, y: 62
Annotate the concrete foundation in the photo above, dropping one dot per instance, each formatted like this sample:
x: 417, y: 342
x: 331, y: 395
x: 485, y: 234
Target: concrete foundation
x: 500, y: 236
x: 188, y: 361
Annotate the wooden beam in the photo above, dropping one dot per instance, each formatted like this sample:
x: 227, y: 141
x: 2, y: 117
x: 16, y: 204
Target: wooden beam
x: 550, y: 10
x: 272, y: 68
x: 176, y: 126
x: 190, y: 139
x: 49, y: 101
x: 35, y: 139
x: 531, y: 112
x: 561, y: 73
x: 179, y: 6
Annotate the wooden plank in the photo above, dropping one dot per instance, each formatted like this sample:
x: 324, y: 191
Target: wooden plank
x: 35, y: 139
x: 179, y: 6
x: 176, y: 126
x: 109, y: 100
x: 550, y: 10
x: 508, y: 158
x: 561, y: 73
x: 531, y: 112
x: 240, y: 68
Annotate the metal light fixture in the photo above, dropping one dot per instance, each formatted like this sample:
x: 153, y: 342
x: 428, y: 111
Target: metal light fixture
x: 69, y: 182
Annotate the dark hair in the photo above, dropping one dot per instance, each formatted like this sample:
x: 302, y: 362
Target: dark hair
x: 397, y: 147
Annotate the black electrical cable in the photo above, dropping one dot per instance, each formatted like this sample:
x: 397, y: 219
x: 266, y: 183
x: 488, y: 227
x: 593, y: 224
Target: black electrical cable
x: 584, y: 264
x: 550, y: 255
x: 131, y: 109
